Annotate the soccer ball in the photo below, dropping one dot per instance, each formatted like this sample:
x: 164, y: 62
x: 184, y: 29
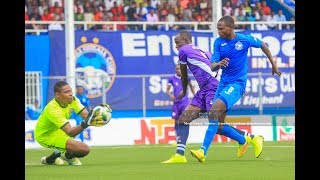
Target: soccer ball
x: 105, y: 111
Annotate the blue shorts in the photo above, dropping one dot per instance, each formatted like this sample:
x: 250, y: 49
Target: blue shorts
x: 229, y: 94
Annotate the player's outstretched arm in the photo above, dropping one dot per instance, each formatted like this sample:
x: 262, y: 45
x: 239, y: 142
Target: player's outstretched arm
x: 267, y: 52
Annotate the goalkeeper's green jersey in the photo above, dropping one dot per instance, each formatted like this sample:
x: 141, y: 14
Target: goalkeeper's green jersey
x: 54, y: 116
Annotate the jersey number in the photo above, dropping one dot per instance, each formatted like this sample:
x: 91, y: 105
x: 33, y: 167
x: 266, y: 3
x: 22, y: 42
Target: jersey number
x: 229, y: 90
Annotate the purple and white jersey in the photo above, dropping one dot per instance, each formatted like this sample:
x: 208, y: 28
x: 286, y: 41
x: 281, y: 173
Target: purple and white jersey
x: 175, y: 82
x: 198, y: 62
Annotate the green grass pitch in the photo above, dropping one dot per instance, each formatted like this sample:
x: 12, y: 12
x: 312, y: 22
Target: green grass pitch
x: 277, y: 162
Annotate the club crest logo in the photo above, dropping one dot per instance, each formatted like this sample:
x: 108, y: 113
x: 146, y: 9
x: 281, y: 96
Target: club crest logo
x: 238, y: 45
x: 95, y: 67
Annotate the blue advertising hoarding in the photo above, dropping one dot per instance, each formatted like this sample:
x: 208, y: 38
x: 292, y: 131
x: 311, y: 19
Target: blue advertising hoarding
x: 117, y: 54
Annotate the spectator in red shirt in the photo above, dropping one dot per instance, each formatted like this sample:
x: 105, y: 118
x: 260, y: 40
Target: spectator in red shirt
x: 266, y: 10
x: 26, y: 16
x: 120, y: 17
x: 98, y: 15
x: 56, y: 8
x: 58, y: 14
x: 46, y: 16
x: 116, y: 9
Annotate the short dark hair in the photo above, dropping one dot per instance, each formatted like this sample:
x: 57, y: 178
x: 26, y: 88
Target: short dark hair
x: 228, y: 20
x: 58, y: 86
x: 186, y: 34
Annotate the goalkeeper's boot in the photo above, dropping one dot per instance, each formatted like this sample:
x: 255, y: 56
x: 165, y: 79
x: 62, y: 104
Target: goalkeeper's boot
x: 74, y: 161
x: 177, y: 158
x: 199, y: 154
x: 58, y: 161
x: 257, y: 143
x: 242, y: 148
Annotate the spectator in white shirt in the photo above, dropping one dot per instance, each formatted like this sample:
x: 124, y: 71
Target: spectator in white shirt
x: 227, y: 8
x: 280, y: 17
x: 54, y: 25
x: 152, y: 17
x: 154, y: 3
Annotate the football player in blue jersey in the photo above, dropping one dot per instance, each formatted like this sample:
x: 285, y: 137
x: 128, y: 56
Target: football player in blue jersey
x: 230, y: 54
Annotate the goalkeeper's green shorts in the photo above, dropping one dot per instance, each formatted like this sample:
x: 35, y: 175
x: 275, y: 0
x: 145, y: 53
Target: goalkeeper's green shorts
x: 57, y: 140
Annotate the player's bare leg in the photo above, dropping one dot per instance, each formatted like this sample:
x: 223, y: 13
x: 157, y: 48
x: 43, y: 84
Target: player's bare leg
x: 74, y: 150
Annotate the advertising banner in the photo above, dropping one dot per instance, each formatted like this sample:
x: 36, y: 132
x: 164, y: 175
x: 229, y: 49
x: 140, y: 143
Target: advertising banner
x: 160, y: 130
x: 102, y: 56
x: 283, y: 128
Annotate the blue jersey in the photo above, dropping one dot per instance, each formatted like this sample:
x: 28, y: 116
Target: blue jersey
x: 237, y: 51
x: 84, y: 100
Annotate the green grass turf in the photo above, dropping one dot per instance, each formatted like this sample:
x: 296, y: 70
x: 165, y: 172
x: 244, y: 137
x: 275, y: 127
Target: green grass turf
x: 277, y: 162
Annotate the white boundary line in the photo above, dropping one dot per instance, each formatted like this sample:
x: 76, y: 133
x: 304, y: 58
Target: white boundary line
x: 164, y: 146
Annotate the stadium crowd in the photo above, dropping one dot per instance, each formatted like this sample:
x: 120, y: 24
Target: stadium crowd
x: 151, y: 11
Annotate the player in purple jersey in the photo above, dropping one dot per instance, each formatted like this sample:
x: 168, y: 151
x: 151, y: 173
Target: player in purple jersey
x: 179, y: 105
x: 198, y: 62
x: 231, y: 55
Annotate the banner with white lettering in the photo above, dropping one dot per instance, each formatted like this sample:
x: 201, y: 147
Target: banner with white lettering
x: 108, y: 54
x: 282, y: 46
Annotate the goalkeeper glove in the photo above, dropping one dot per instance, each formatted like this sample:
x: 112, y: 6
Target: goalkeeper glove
x: 97, y: 121
x: 86, y: 123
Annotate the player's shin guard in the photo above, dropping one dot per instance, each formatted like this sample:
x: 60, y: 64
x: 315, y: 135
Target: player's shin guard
x: 210, y: 133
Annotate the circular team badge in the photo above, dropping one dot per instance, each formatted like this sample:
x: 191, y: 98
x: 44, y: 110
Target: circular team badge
x: 95, y: 67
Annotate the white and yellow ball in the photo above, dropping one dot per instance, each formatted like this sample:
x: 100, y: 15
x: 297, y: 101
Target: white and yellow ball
x: 104, y: 111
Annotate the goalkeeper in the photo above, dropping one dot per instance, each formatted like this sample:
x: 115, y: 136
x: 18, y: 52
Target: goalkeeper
x: 54, y: 131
